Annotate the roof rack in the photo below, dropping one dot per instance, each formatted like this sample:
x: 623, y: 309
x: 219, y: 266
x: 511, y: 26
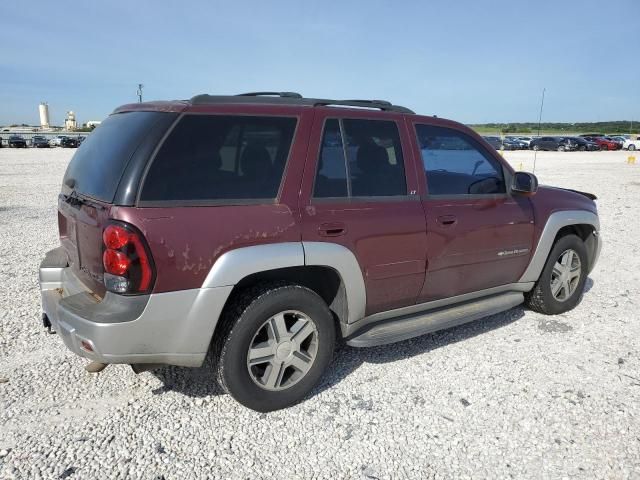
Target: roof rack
x: 379, y: 104
x: 293, y: 98
x: 271, y: 94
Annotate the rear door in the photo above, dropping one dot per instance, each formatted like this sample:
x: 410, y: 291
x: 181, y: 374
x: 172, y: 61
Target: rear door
x: 359, y: 191
x: 478, y: 235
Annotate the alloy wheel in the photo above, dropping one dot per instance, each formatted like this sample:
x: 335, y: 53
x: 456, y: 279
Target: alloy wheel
x: 283, y: 350
x: 565, y: 275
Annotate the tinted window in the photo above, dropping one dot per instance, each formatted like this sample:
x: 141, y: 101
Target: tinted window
x: 331, y: 177
x: 98, y: 165
x: 455, y: 164
x: 216, y: 157
x: 375, y: 164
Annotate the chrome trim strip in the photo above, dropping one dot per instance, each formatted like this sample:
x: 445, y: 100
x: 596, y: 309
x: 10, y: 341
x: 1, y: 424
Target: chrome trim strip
x: 554, y: 223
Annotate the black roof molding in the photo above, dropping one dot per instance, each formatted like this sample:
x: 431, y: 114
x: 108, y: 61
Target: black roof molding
x: 293, y: 98
x: 379, y: 104
x: 271, y: 94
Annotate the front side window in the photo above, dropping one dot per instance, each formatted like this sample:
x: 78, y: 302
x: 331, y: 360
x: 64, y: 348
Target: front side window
x: 218, y: 157
x: 455, y: 164
x: 373, y: 166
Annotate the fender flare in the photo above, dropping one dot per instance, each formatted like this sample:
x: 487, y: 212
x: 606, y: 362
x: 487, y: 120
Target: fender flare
x: 234, y: 265
x: 555, y: 222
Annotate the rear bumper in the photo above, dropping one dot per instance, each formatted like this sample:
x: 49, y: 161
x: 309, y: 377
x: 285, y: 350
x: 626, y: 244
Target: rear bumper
x: 170, y: 328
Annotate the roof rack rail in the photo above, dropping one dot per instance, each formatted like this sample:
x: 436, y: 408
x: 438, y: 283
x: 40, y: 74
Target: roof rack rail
x: 293, y: 98
x: 379, y: 104
x: 271, y: 94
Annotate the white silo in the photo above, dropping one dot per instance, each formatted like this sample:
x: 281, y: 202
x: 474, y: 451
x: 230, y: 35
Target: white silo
x: 44, y: 115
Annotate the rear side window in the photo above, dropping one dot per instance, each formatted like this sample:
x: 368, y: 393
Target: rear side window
x: 331, y: 179
x: 97, y: 166
x: 455, y: 164
x: 220, y: 158
x: 373, y: 166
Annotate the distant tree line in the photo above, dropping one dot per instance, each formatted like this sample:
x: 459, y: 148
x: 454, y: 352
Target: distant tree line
x: 621, y: 126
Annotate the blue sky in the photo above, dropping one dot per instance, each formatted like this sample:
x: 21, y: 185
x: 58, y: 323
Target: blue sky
x: 473, y: 61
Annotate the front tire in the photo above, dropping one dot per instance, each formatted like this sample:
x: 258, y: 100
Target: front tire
x: 561, y: 282
x: 278, y: 341
x: 632, y: 148
x: 561, y: 148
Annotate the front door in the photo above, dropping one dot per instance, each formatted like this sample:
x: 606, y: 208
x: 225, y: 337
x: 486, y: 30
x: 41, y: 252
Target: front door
x: 478, y: 235
x: 359, y: 191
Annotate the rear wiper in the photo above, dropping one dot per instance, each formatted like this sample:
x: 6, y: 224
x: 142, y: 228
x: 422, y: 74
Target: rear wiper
x: 72, y: 198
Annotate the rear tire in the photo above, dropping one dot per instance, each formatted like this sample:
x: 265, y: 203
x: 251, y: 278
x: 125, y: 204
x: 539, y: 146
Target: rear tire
x: 556, y: 291
x: 275, y: 345
x: 536, y: 148
x: 604, y: 147
x: 561, y: 148
x: 632, y: 147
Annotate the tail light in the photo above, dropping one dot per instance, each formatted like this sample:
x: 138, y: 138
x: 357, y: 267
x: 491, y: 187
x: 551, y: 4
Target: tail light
x: 128, y: 266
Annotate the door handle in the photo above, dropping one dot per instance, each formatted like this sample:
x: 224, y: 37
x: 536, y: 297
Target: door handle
x: 447, y: 220
x: 333, y: 229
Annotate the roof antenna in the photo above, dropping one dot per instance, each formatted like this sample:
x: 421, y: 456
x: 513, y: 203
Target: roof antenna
x: 535, y: 152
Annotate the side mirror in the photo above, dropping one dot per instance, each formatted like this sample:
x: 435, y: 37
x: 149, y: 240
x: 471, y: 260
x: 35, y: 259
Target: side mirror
x: 524, y: 183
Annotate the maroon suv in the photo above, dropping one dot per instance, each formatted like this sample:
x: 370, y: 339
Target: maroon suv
x: 266, y: 226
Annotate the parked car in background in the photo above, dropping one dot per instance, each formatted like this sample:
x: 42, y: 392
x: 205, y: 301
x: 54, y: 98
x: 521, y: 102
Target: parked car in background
x: 55, y: 141
x: 618, y: 140
x: 39, y: 142
x: 328, y: 264
x: 559, y: 144
x: 632, y: 145
x: 604, y: 143
x: 495, y: 142
x: 584, y: 144
x: 68, y: 142
x: 514, y: 143
x: 526, y: 140
x: 16, y: 141
x: 594, y: 135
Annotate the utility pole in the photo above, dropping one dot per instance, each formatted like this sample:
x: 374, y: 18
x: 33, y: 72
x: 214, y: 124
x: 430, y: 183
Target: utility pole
x: 140, y: 86
x: 535, y: 153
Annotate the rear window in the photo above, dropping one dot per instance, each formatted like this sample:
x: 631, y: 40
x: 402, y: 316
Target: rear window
x: 97, y: 166
x: 375, y: 165
x: 220, y: 158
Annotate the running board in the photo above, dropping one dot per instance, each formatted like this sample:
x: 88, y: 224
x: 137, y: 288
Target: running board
x: 409, y: 326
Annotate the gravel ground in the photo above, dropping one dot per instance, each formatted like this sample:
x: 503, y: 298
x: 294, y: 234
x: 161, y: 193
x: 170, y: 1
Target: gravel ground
x: 514, y: 395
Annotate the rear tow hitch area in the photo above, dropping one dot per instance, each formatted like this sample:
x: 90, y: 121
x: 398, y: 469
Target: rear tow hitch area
x: 47, y: 324
x: 95, y: 367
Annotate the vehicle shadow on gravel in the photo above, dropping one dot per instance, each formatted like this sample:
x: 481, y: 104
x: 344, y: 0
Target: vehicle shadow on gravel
x: 588, y: 285
x: 193, y: 382
x: 348, y: 359
x: 201, y: 381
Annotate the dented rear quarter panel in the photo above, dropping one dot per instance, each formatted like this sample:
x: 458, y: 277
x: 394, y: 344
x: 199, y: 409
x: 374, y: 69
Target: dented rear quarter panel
x: 185, y: 242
